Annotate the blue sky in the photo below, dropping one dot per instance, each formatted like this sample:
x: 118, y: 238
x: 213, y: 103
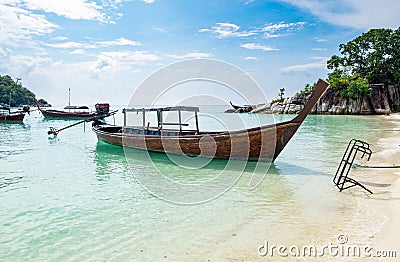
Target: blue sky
x: 104, y: 49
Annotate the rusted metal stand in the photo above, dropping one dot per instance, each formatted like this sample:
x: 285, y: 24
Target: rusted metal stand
x: 341, y: 178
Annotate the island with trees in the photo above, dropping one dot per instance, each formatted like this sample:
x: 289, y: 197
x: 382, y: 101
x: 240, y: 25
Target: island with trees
x: 13, y: 94
x: 364, y: 79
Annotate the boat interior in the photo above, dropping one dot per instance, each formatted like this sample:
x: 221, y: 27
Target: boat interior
x: 131, y: 130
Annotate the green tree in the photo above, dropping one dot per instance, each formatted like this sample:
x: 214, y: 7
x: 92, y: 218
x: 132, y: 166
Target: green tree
x: 350, y: 86
x: 281, y: 94
x: 308, y: 88
x: 374, y: 55
x: 357, y: 88
x: 14, y: 93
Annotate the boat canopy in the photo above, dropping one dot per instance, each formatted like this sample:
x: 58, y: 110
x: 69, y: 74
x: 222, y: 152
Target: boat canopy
x: 77, y: 107
x: 160, y: 120
x: 160, y: 109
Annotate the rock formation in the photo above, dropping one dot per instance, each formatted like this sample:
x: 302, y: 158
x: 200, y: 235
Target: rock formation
x: 383, y: 100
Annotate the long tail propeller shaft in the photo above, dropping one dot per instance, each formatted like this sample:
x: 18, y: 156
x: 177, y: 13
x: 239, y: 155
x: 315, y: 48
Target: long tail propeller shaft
x: 55, y: 131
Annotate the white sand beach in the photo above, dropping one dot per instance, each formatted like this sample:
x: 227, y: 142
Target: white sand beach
x: 365, y: 220
x: 387, y: 200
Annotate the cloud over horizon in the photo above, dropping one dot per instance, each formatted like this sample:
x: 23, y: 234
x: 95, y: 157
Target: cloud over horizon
x: 360, y: 14
x: 269, y: 30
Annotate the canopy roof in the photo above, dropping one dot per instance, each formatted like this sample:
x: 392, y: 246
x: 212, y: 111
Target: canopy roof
x: 76, y: 107
x: 171, y: 108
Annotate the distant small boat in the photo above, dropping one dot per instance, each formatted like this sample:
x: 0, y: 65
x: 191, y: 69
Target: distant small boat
x: 74, y: 112
x: 6, y: 116
x: 242, y: 109
x: 259, y: 143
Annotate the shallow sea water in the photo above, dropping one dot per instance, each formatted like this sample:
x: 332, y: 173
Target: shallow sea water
x: 73, y: 198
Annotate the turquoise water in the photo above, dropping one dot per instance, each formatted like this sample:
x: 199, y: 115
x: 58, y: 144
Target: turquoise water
x: 74, y: 198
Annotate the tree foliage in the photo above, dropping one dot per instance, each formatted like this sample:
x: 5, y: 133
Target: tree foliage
x: 371, y: 58
x: 13, y: 93
x: 350, y: 86
x: 281, y: 96
x: 374, y: 55
x: 308, y: 88
x: 357, y: 88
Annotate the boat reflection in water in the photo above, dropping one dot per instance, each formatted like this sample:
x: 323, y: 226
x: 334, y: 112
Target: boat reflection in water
x: 179, y: 179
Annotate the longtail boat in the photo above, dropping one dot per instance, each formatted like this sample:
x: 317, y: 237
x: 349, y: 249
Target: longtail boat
x: 6, y: 116
x: 263, y: 143
x: 242, y: 109
x: 74, y: 112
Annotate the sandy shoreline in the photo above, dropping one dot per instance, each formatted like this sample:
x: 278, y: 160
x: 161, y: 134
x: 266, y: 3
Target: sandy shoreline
x: 388, y: 199
x: 365, y: 219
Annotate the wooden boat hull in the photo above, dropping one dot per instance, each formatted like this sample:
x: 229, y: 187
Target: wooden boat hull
x: 58, y: 114
x: 66, y: 115
x: 261, y: 143
x: 14, y: 118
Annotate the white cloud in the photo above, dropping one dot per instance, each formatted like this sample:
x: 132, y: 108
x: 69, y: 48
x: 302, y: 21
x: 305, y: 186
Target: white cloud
x: 136, y: 56
x: 270, y: 30
x: 248, y: 2
x: 254, y: 46
x: 120, y: 61
x: 77, y: 52
x: 60, y: 38
x: 360, y: 14
x: 321, y: 63
x: 16, y: 64
x: 251, y: 58
x: 72, y: 9
x: 90, y: 45
x: 320, y: 40
x: 120, y: 42
x: 5, y: 55
x: 159, y: 29
x: 103, y: 62
x: 149, y: 1
x: 24, y: 19
x: 18, y: 24
x: 67, y: 45
x: 281, y: 25
x: 192, y: 55
x: 319, y: 49
x: 224, y: 30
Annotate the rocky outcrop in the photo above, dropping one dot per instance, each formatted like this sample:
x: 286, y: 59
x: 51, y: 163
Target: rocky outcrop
x: 383, y: 100
x: 43, y: 103
x: 291, y: 105
x: 380, y: 102
x: 393, y: 92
